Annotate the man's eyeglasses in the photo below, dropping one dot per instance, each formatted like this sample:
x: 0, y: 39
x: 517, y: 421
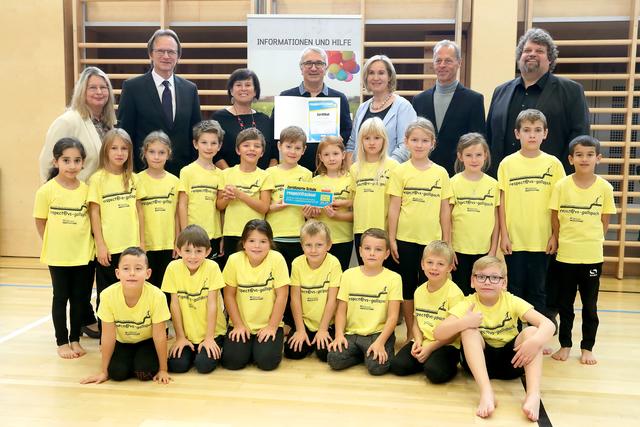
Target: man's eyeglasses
x: 482, y: 278
x: 311, y: 64
x: 163, y: 52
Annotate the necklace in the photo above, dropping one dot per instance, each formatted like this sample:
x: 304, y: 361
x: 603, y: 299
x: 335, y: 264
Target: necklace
x: 380, y: 106
x: 241, y: 122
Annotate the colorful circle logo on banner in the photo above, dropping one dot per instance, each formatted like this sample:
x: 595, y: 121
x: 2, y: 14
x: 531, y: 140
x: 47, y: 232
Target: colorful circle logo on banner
x: 342, y: 65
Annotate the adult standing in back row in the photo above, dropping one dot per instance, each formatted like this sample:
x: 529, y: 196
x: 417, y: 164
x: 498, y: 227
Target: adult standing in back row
x: 160, y: 100
x: 313, y: 66
x: 453, y: 109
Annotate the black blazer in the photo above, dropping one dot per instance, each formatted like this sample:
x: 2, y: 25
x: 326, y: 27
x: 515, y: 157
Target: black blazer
x: 465, y: 114
x: 140, y: 112
x: 564, y: 105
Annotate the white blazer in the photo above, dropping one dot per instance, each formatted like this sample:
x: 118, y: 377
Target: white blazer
x: 71, y: 124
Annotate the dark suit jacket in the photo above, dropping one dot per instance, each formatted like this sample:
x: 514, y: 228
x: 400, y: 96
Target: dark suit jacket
x: 140, y: 112
x: 465, y: 114
x: 564, y: 105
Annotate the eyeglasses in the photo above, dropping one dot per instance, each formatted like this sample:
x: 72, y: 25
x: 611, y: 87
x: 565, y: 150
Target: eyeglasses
x: 482, y: 278
x: 163, y: 52
x: 311, y: 64
x: 97, y: 88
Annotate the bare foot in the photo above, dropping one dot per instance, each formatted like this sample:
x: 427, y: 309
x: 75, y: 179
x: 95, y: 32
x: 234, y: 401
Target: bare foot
x: 66, y: 352
x: 562, y: 354
x: 531, y: 406
x: 547, y: 351
x: 77, y: 349
x: 588, y: 358
x: 487, y: 404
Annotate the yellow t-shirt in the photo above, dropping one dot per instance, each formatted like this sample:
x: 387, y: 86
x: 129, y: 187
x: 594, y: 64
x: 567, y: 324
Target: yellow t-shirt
x: 238, y: 213
x: 431, y: 308
x: 342, y: 188
x: 527, y: 184
x: 256, y: 286
x: 473, y: 216
x: 288, y: 221
x: 314, y: 286
x: 133, y: 324
x: 580, y: 214
x: 422, y: 193
x: 370, y: 201
x: 499, y: 321
x: 118, y: 212
x: 67, y: 239
x: 193, y: 292
x: 201, y: 187
x: 368, y: 299
x: 159, y: 209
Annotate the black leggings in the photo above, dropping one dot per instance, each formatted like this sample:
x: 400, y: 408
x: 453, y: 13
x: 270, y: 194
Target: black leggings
x: 158, y: 262
x: 129, y: 360
x: 73, y: 285
x: 290, y: 251
x: 342, y: 251
x: 200, y: 359
x: 440, y: 367
x: 583, y: 278
x: 410, y: 268
x: 266, y: 354
x: 461, y: 276
x: 105, y: 277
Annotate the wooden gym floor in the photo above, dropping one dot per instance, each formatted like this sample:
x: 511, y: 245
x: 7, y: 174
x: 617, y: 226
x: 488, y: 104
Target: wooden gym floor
x: 39, y: 388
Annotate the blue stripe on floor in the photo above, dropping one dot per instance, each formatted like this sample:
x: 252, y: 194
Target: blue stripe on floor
x: 16, y: 285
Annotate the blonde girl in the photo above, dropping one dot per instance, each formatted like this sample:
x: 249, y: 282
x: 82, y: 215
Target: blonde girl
x: 159, y: 205
x: 115, y: 210
x: 332, y: 174
x: 419, y: 211
x: 62, y: 220
x: 474, y: 208
x: 370, y: 176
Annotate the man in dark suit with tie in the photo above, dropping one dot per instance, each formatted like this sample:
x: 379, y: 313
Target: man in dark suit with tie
x: 452, y: 108
x: 561, y: 100
x: 160, y: 100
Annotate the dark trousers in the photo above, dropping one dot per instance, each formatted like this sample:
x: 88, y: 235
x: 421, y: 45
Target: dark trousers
x: 267, y: 354
x: 342, y: 251
x: 356, y: 352
x: 388, y: 263
x: 461, y: 276
x: 231, y: 246
x: 158, y: 262
x: 583, y: 278
x: 440, y: 367
x: 88, y: 318
x: 306, y: 350
x: 410, y: 268
x: 200, y: 359
x: 129, y: 360
x: 527, y: 273
x: 215, y: 248
x: 290, y: 251
x: 72, y: 285
x: 105, y: 277
x: 498, y: 362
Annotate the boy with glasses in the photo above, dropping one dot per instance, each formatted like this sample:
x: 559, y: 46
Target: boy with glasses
x: 487, y: 322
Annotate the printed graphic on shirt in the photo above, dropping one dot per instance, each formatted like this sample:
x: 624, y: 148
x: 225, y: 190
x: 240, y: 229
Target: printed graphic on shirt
x: 210, y: 191
x: 505, y: 326
x: 249, y: 189
x: 367, y: 301
x: 532, y: 182
x: 123, y: 196
x: 193, y: 298
x: 426, y: 315
x: 69, y: 215
x: 312, y: 293
x: 160, y: 203
x: 576, y: 213
x: 255, y: 292
x: 368, y: 184
x: 472, y: 204
x: 131, y: 327
x: 420, y: 194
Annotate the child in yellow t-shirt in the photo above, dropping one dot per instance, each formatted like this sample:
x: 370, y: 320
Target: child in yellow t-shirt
x: 474, y: 208
x: 133, y: 314
x: 245, y: 190
x: 487, y: 322
x: 315, y: 278
x: 199, y: 185
x: 197, y: 311
x: 370, y: 175
x: 525, y: 179
x: 332, y: 174
x: 432, y: 301
x: 581, y: 205
x: 419, y: 210
x: 62, y: 220
x: 368, y: 305
x: 286, y: 221
x: 159, y: 204
x: 117, y: 220
x: 257, y: 285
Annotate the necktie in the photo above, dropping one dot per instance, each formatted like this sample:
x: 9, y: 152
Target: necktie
x: 167, y: 106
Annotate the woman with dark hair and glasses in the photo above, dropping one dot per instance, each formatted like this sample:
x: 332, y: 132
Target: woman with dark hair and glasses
x: 243, y: 87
